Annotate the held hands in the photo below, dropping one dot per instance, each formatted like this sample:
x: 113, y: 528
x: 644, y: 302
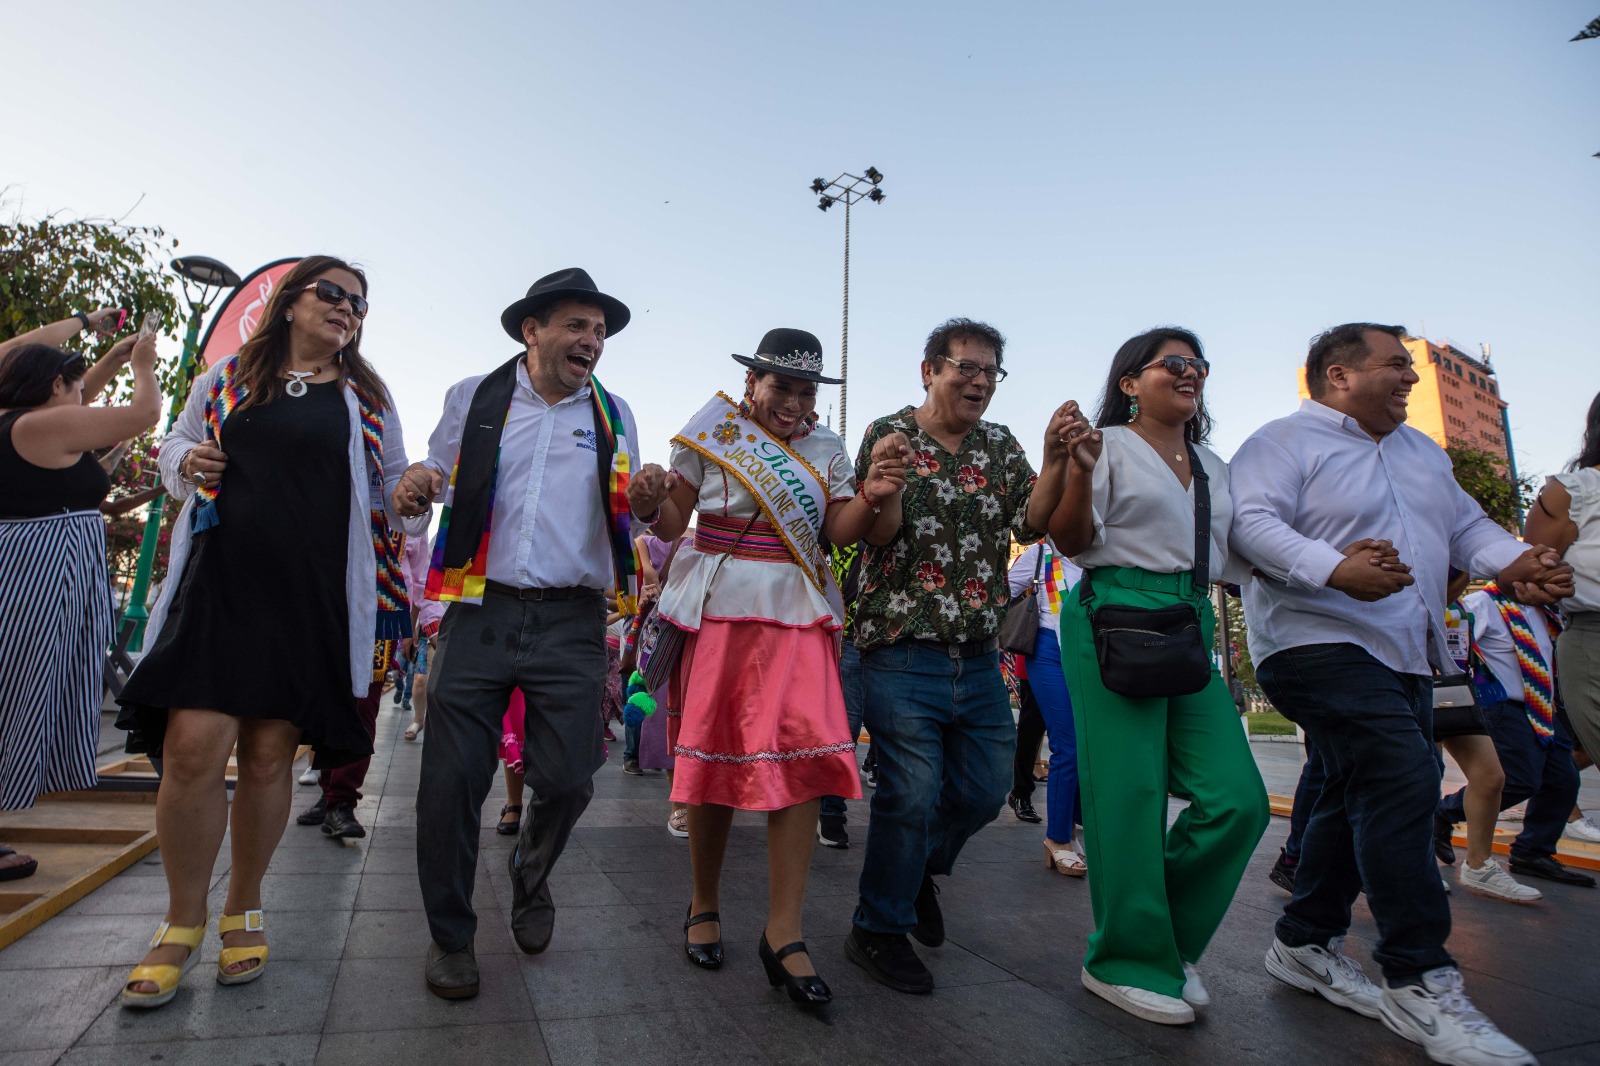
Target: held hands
x: 1537, y: 577
x: 1371, y: 570
x: 416, y: 490
x: 1070, y: 438
x: 649, y: 489
x: 886, y: 470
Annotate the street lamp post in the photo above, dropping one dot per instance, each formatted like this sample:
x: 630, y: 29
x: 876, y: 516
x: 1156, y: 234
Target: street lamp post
x: 847, y: 189
x: 212, y: 277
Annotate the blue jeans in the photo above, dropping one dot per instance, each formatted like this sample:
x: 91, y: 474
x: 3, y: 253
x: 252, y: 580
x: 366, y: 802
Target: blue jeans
x: 1055, y: 703
x: 1373, y: 822
x: 1305, y: 798
x: 1544, y: 776
x: 850, y: 678
x: 944, y: 736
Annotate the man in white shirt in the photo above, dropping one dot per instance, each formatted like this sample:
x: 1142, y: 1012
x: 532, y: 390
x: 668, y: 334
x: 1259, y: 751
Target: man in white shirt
x: 1344, y: 648
x: 531, y: 540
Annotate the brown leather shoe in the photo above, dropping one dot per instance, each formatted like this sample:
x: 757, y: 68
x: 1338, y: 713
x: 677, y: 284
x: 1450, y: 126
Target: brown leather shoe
x: 452, y: 974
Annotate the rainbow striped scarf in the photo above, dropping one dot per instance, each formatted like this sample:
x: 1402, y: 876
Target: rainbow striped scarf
x: 394, y: 612
x: 459, y: 571
x: 1055, y: 581
x: 1538, y: 683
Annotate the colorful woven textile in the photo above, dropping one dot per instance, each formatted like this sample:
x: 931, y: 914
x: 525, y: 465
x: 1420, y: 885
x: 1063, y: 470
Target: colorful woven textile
x: 1538, y: 683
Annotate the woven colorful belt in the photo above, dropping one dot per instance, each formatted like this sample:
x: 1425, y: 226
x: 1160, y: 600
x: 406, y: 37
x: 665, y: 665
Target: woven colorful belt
x: 740, y: 538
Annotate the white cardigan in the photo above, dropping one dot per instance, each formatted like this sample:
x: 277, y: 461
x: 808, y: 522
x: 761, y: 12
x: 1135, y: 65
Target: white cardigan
x: 361, y: 570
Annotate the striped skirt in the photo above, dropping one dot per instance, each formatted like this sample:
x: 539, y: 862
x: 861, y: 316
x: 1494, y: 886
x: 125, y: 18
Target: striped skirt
x: 55, y: 629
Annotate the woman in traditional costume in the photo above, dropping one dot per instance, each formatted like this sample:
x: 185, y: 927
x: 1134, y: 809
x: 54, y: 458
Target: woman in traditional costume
x: 285, y: 455
x: 758, y: 717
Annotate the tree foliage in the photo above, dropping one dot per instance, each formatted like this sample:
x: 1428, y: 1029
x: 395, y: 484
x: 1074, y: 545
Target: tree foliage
x: 1479, y: 474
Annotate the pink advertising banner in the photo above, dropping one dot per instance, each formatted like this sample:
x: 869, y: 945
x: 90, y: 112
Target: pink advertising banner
x: 240, y: 313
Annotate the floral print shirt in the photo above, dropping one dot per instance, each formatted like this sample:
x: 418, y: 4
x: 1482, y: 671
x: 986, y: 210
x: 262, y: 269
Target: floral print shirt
x: 943, y: 577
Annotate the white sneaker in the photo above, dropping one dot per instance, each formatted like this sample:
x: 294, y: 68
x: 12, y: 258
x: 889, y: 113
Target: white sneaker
x: 1194, y: 992
x: 1438, y: 1015
x: 310, y: 777
x: 1583, y: 829
x: 1445, y: 881
x: 1327, y: 972
x: 1491, y: 879
x: 1141, y: 1002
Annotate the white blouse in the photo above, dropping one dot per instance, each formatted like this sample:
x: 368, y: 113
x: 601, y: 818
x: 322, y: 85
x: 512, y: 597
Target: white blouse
x: 726, y: 589
x: 361, y: 569
x: 1144, y: 517
x: 1584, y: 554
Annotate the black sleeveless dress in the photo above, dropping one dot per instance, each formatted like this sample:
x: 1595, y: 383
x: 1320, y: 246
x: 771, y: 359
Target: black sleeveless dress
x: 259, y: 626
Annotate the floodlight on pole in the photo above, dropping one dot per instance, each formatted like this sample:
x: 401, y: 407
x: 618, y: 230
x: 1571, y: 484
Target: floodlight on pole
x: 847, y: 188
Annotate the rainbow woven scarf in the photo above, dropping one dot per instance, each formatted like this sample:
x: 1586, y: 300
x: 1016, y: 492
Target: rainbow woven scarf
x: 465, y: 582
x: 1538, y: 684
x: 394, y: 612
x: 1055, y: 582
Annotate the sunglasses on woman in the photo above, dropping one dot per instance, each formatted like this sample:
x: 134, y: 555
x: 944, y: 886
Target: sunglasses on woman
x: 329, y: 293
x: 1177, y: 364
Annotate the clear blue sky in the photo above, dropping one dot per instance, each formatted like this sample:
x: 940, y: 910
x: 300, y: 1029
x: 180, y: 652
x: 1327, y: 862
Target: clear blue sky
x: 1071, y: 172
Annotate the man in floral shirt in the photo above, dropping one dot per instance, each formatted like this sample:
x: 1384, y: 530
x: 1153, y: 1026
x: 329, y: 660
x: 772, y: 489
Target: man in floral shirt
x: 931, y: 603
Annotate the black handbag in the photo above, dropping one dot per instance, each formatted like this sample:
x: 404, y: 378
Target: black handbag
x: 1147, y: 652
x: 1020, y: 631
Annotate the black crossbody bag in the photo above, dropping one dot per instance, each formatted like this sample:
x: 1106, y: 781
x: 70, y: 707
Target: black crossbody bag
x: 1157, y: 651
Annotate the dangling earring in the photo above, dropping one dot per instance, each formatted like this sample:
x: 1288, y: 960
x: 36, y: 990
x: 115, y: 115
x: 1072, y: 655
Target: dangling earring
x: 288, y: 316
x: 749, y: 395
x: 1133, y: 408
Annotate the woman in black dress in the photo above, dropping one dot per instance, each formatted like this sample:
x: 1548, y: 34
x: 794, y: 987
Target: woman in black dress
x: 283, y: 557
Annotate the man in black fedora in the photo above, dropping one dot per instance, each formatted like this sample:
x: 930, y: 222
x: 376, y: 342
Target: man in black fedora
x: 532, y: 461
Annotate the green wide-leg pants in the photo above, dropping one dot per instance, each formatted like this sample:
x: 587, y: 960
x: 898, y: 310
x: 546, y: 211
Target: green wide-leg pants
x: 1158, y: 895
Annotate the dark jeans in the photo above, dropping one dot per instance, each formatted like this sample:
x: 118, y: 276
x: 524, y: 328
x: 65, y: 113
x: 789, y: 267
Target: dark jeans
x: 343, y: 785
x: 630, y: 741
x: 1373, y: 823
x: 850, y: 678
x: 1305, y: 798
x: 1030, y: 731
x: 555, y: 652
x: 944, y: 736
x: 1544, y: 776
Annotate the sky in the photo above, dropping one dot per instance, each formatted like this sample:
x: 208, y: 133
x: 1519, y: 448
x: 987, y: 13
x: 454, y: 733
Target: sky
x: 1071, y: 172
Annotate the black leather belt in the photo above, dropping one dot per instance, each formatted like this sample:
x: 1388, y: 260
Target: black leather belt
x: 572, y: 592
x: 970, y: 650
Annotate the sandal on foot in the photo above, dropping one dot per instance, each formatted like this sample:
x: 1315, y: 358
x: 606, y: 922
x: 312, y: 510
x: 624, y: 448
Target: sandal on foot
x: 248, y: 922
x: 1064, y: 860
x: 17, y: 870
x: 412, y: 731
x: 513, y: 827
x: 165, y: 976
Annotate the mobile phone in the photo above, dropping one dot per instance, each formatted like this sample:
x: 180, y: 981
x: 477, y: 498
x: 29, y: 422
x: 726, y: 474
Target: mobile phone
x: 116, y: 326
x: 151, y: 324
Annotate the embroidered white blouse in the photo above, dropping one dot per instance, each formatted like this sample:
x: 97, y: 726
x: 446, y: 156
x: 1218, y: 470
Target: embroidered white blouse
x: 726, y: 589
x: 361, y: 570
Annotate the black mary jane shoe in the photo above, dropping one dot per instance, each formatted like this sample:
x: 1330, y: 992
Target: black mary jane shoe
x: 808, y: 991
x: 705, y: 956
x: 513, y: 827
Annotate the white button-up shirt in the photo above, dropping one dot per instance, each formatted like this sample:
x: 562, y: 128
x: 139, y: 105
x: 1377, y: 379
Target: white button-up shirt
x: 549, y: 528
x: 1306, y: 486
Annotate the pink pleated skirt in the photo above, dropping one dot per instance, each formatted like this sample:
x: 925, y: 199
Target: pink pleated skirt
x: 761, y: 723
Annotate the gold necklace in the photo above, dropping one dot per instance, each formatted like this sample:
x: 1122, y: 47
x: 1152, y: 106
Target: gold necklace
x: 1179, y: 457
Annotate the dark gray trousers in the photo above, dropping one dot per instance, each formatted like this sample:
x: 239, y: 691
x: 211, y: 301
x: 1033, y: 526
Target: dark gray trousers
x: 555, y: 652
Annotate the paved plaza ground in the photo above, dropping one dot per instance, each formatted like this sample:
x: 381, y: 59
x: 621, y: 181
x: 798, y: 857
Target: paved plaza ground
x: 344, y: 984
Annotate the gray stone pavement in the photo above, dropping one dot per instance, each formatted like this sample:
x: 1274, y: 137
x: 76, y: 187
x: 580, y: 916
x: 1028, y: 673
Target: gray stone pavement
x: 344, y: 984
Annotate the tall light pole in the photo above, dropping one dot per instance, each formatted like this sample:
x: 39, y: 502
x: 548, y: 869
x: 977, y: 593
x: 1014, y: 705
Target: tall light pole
x: 847, y: 189
x: 212, y: 277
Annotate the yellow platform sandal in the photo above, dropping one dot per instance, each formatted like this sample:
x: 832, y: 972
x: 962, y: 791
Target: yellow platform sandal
x: 165, y: 977
x: 250, y: 922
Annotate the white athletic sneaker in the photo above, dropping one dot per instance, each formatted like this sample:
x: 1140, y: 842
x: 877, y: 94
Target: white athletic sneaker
x: 1491, y: 879
x: 1328, y: 972
x: 1194, y: 993
x: 1141, y: 1002
x: 1583, y: 829
x: 1438, y: 1015
x: 310, y: 777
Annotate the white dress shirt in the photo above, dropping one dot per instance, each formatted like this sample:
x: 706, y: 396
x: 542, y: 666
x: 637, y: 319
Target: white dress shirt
x: 1495, y: 645
x: 549, y: 528
x: 366, y: 491
x: 1021, y: 577
x: 1306, y: 486
x: 1144, y: 517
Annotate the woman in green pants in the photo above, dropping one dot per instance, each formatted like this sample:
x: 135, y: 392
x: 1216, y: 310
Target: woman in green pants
x: 1128, y: 518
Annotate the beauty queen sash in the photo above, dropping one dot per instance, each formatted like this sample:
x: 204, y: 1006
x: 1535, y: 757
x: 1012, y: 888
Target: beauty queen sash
x: 792, y: 495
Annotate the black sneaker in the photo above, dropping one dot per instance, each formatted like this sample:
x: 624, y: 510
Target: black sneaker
x: 831, y: 833
x: 888, y: 959
x: 340, y: 821
x: 1282, y: 873
x: 930, y: 919
x: 1443, y: 848
x: 631, y: 767
x: 1022, y: 807
x: 314, y: 814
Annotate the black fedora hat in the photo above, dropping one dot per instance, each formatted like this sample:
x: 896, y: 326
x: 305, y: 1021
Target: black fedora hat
x: 791, y: 352
x: 573, y: 283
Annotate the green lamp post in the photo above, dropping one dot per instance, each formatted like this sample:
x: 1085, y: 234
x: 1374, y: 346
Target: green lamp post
x: 212, y: 277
